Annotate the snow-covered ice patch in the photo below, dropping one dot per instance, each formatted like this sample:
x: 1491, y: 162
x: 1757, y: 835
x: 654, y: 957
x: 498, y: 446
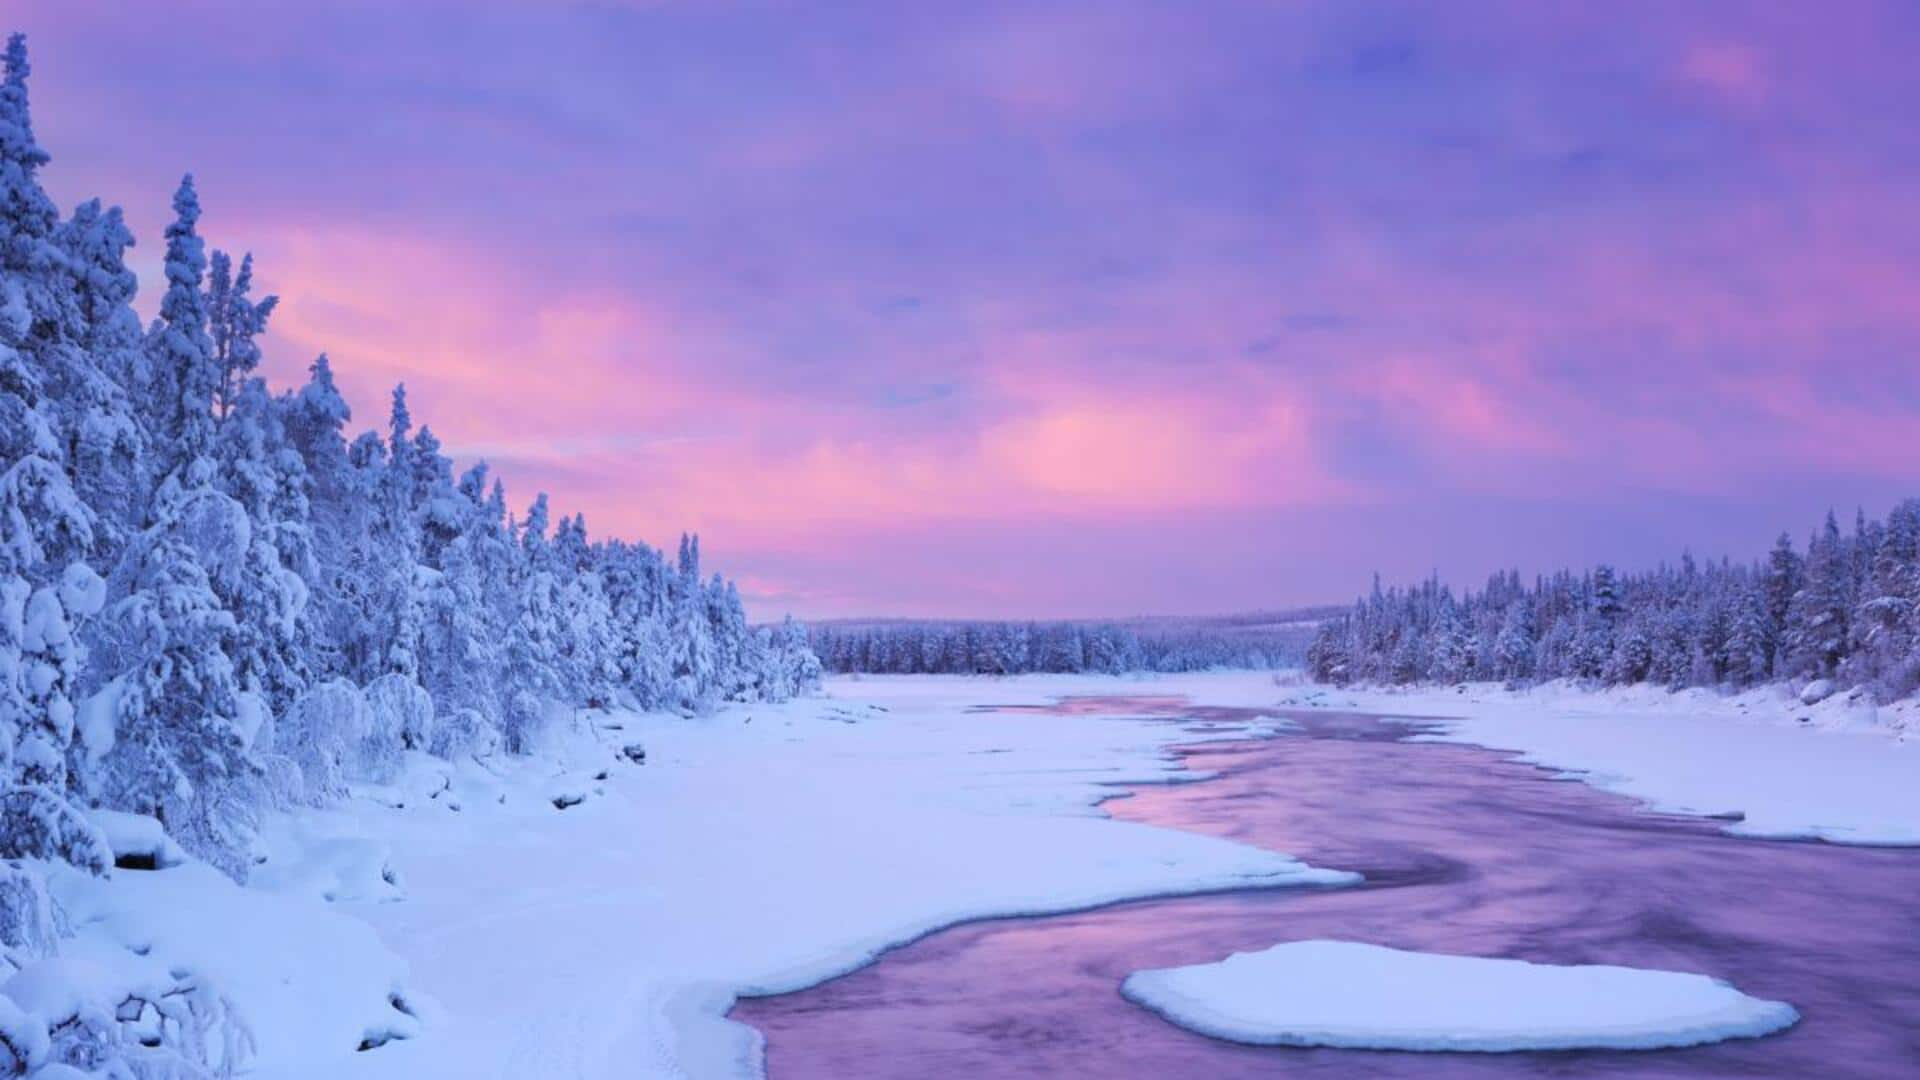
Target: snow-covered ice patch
x: 1355, y: 996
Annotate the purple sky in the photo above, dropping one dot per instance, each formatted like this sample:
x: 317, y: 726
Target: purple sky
x: 1077, y: 309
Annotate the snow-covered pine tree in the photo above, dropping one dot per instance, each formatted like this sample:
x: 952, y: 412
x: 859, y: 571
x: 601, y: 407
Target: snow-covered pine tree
x: 533, y: 646
x: 261, y: 470
x: 179, y: 353
x: 1817, y: 633
x: 234, y: 320
x: 799, y: 667
x: 463, y: 632
x: 182, y: 723
x: 47, y: 587
x: 690, y: 632
x: 1784, y: 569
x: 94, y: 419
x: 315, y: 418
x: 584, y: 617
x: 1747, y: 657
x: 395, y: 545
x: 183, y: 720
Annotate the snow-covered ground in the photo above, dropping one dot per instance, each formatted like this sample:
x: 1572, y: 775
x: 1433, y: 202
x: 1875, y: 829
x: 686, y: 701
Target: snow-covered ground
x: 581, y: 914
x: 1841, y: 770
x: 1356, y: 996
x: 763, y: 849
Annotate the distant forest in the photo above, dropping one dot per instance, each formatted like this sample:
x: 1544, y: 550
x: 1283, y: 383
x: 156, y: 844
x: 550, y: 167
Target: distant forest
x: 1258, y: 640
x: 1845, y: 607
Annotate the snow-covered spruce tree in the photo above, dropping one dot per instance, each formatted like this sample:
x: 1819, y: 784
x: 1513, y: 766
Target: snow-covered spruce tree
x: 798, y: 667
x: 585, y: 642
x: 690, y: 632
x: 234, y: 321
x: 261, y: 470
x: 1884, y: 649
x: 42, y: 523
x: 466, y: 618
x: 635, y: 578
x: 182, y: 718
x: 106, y: 449
x: 180, y: 365
x: 1783, y: 577
x: 1746, y: 656
x: 395, y: 546
x: 47, y: 532
x: 182, y: 722
x: 314, y: 419
x: 533, y: 644
x: 1513, y: 649
x: 1816, y: 633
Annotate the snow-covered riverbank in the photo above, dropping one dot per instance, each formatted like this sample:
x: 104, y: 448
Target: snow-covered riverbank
x: 762, y: 849
x: 770, y: 847
x: 1841, y: 770
x: 579, y: 913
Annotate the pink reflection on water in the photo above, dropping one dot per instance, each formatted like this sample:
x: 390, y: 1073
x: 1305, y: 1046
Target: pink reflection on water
x: 1465, y: 851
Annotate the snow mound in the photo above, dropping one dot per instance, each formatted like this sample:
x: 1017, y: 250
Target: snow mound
x: 306, y: 981
x: 138, y: 841
x: 1355, y: 996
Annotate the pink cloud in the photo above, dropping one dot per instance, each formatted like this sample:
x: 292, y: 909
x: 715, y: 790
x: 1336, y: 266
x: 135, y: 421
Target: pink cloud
x: 487, y: 357
x: 1732, y: 70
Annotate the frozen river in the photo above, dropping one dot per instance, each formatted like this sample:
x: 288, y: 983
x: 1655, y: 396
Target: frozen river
x: 1464, y: 851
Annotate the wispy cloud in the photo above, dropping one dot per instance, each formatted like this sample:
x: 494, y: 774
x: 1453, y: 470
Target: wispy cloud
x: 1022, y: 307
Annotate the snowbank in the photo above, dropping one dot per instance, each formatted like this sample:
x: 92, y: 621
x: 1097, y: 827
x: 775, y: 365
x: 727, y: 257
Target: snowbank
x: 582, y: 914
x: 304, y: 978
x: 1354, y: 996
x: 1838, y: 771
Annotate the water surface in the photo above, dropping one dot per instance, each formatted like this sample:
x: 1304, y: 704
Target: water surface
x: 1465, y: 851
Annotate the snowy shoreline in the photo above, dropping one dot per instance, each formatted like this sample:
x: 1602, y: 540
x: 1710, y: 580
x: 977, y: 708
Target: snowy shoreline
x: 577, y: 913
x: 1840, y: 771
x: 829, y: 831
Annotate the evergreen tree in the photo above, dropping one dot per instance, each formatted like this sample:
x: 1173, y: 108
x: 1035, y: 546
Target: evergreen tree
x: 1816, y: 633
x: 233, y: 321
x: 182, y: 725
x: 181, y: 366
x: 105, y: 447
x: 1783, y: 583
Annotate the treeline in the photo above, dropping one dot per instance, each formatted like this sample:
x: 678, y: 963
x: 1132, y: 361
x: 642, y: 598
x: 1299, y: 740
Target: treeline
x: 1012, y: 648
x: 215, y: 601
x: 1845, y: 608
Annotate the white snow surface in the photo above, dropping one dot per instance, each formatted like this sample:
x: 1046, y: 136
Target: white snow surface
x: 764, y: 849
x: 1356, y: 996
x: 1842, y: 771
x: 575, y: 914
